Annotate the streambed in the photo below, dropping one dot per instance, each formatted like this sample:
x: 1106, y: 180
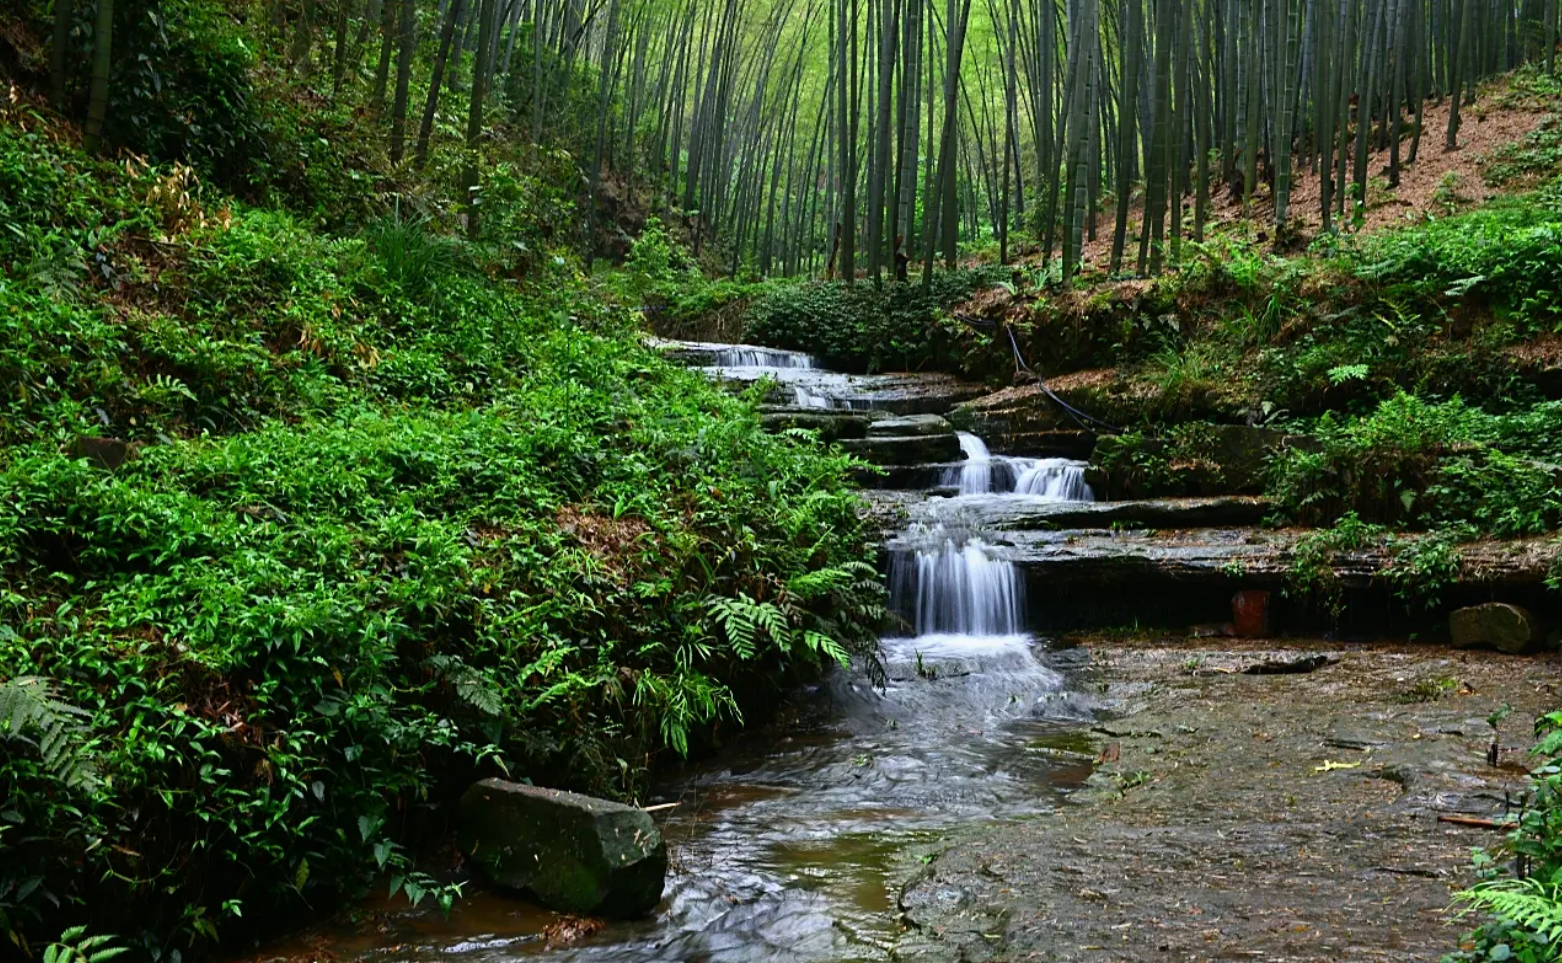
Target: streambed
x: 1020, y: 796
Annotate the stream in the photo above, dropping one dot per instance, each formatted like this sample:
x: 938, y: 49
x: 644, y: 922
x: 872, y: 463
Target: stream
x: 792, y: 845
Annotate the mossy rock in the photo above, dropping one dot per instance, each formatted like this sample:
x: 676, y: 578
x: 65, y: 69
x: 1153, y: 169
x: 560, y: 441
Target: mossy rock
x: 574, y: 853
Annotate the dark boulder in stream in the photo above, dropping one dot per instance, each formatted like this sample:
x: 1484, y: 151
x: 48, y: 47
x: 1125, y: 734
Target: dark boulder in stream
x: 574, y: 853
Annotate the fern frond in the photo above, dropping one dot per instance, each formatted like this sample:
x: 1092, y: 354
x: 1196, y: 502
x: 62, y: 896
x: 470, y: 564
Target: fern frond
x: 823, y: 643
x: 1528, y: 903
x: 471, y: 685
x: 28, y: 708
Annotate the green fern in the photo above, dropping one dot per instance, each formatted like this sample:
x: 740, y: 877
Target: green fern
x: 819, y: 642
x: 75, y: 946
x: 745, y: 621
x: 472, y: 687
x: 30, y: 714
x: 1527, y: 903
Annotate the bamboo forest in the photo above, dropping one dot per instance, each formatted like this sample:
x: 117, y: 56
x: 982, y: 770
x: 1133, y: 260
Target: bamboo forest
x: 780, y: 481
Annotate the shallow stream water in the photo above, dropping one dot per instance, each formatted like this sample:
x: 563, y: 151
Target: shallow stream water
x: 790, y: 847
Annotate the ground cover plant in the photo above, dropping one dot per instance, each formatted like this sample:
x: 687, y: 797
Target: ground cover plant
x: 369, y: 523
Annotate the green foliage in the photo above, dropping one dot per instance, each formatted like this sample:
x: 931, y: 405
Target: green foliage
x: 1537, y: 156
x: 1133, y: 462
x: 1523, y: 898
x: 393, y: 524
x: 1411, y: 463
x: 1313, y: 574
x: 858, y: 327
x: 1506, y: 255
x: 75, y: 946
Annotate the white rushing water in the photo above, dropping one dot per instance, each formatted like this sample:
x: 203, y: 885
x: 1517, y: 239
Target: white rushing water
x: 958, y: 589
x: 974, y: 476
x: 982, y: 472
x: 1056, y: 478
x: 747, y: 356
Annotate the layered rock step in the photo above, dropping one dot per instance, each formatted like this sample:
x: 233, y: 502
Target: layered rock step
x: 1237, y: 557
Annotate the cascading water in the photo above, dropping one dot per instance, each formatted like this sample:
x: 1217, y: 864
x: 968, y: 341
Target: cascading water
x: 974, y: 475
x: 982, y: 473
x: 958, y: 589
x: 1056, y: 478
x: 751, y: 357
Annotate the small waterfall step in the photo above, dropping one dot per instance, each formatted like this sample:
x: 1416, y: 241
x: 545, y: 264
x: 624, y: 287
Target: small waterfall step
x: 982, y: 473
x: 712, y: 354
x: 958, y: 588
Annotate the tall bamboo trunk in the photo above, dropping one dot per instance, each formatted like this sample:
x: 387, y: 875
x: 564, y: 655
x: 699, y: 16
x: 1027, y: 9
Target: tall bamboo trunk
x: 97, y: 95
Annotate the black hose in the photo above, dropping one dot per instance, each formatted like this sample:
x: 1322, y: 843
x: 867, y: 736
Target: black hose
x: 1084, y: 420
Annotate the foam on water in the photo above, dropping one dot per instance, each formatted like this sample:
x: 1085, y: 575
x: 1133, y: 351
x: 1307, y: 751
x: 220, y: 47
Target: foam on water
x: 983, y: 473
x: 747, y: 356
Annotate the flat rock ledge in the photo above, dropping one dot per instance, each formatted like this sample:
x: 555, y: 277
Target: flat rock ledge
x: 574, y: 853
x: 1253, y: 558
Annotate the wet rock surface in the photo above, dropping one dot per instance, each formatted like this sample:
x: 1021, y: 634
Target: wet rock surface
x: 903, y: 449
x: 911, y: 425
x: 1246, y: 557
x: 574, y: 853
x: 1506, y: 628
x: 1243, y: 815
x: 1012, y: 514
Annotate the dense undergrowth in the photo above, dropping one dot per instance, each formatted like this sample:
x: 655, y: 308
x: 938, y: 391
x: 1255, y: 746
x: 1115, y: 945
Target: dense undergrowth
x: 858, y: 327
x: 384, y: 521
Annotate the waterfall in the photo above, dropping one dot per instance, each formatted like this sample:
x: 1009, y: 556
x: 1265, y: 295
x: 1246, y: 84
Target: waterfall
x: 746, y: 356
x: 808, y: 399
x: 958, y: 589
x: 1056, y: 478
x: 982, y: 472
x: 974, y: 476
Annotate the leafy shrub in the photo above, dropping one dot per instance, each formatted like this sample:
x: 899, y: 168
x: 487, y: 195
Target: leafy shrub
x: 392, y: 525
x: 1507, y: 255
x: 1523, y: 898
x: 1537, y: 155
x: 858, y: 327
x: 1418, y: 464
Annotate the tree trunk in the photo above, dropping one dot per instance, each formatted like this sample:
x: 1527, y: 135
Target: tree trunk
x: 447, y: 33
x: 387, y: 45
x: 97, y: 97
x: 474, y: 117
x: 408, y: 44
x: 59, y: 53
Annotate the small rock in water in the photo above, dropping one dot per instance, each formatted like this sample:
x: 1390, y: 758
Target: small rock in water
x: 1506, y: 628
x: 574, y: 853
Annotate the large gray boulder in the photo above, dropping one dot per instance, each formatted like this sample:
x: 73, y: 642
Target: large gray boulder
x: 1506, y: 628
x: 574, y: 853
